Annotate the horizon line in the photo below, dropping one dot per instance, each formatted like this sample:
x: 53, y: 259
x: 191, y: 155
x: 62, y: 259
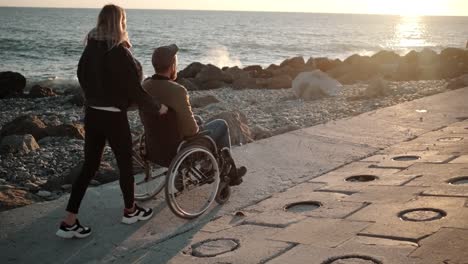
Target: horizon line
x: 247, y: 11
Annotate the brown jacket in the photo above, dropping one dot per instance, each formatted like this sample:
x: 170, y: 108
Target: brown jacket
x: 174, y: 96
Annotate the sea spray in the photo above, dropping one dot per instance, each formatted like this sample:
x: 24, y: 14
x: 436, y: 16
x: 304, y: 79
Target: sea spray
x: 221, y: 57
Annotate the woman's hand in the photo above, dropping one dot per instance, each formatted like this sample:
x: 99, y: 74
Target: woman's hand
x: 163, y: 110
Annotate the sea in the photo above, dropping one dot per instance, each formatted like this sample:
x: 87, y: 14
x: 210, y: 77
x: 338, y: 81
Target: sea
x: 45, y: 44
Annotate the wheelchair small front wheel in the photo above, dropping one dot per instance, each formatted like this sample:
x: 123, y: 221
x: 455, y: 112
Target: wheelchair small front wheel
x: 150, y: 182
x: 192, y: 182
x: 224, y: 193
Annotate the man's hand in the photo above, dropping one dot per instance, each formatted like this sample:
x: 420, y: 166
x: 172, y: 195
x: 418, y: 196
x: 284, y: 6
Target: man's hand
x: 163, y: 110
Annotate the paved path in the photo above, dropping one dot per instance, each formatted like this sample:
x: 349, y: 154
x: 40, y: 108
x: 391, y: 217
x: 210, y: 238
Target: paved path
x: 349, y: 218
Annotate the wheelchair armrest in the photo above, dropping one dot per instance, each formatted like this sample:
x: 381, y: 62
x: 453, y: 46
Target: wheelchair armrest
x: 199, y: 134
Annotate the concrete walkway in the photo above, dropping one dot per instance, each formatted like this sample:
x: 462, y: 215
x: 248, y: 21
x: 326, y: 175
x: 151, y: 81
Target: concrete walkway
x: 360, y: 219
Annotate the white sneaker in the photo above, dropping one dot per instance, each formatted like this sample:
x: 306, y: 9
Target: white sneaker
x: 76, y: 230
x: 140, y: 214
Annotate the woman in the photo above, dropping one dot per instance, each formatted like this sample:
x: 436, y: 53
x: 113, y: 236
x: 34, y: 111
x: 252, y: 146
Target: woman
x: 109, y: 77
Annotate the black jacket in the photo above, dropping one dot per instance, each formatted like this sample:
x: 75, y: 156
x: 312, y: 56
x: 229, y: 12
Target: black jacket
x: 111, y: 78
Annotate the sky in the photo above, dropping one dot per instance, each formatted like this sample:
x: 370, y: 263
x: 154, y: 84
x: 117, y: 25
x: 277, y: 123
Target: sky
x: 398, y: 7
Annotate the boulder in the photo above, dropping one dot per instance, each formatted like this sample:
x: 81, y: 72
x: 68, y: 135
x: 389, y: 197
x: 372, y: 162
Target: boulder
x: 278, y: 82
x: 245, y: 82
x: 253, y: 68
x: 202, y: 101
x: 385, y: 57
x: 22, y: 144
x: 11, y: 84
x: 105, y: 174
x: 77, y: 97
x: 259, y: 133
x: 238, y: 127
x: 237, y: 73
x: 453, y: 62
x: 295, y: 63
x: 428, y: 57
x: 458, y: 83
x: 376, y: 87
x: 355, y: 68
x: 326, y: 64
x: 189, y: 84
x: 213, y: 84
x: 14, y: 198
x: 67, y: 130
x: 38, y: 91
x: 191, y: 70
x: 27, y: 124
x: 211, y: 73
x: 314, y: 85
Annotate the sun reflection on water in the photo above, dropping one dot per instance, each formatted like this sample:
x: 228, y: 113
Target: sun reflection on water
x: 410, y: 33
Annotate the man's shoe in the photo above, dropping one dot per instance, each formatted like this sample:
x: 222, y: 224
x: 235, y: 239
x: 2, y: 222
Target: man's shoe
x: 140, y: 214
x: 76, y: 230
x: 237, y: 178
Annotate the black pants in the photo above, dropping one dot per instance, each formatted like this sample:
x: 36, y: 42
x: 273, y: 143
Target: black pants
x: 101, y: 126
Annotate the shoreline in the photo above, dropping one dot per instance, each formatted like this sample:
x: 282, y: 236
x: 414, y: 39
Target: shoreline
x: 46, y: 172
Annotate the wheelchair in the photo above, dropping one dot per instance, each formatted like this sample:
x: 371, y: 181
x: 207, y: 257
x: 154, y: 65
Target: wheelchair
x: 193, y: 179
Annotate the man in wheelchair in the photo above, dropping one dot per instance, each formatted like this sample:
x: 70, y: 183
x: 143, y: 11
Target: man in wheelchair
x: 165, y: 133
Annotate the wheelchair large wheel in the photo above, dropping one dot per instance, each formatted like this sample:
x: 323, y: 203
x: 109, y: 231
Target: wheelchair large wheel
x: 150, y: 182
x: 192, y: 182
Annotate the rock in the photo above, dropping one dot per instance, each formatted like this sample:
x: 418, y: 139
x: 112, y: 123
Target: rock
x: 11, y: 84
x: 326, y: 64
x: 278, y: 82
x: 94, y: 183
x: 377, y: 87
x: 428, y: 56
x: 189, y: 84
x: 211, y: 73
x: 245, y: 82
x: 237, y: 73
x: 453, y: 62
x: 202, y: 101
x: 22, y: 144
x: 4, y: 187
x: 73, y: 131
x: 27, y: 124
x: 385, y: 57
x: 259, y: 133
x: 104, y: 175
x: 213, y: 84
x: 355, y: 68
x: 191, y: 70
x: 238, y: 127
x: 66, y: 187
x: 253, y: 68
x: 44, y: 194
x: 31, y: 186
x: 38, y: 91
x: 295, y: 63
x: 14, y: 198
x: 314, y: 85
x: 458, y: 83
x: 77, y: 97
x: 285, y: 129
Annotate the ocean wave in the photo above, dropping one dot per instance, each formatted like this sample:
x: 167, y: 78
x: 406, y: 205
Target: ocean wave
x: 58, y: 84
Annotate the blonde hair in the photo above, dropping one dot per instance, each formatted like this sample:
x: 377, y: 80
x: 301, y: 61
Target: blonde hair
x: 112, y: 23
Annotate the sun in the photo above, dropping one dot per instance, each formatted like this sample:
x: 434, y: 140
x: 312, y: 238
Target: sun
x: 407, y: 7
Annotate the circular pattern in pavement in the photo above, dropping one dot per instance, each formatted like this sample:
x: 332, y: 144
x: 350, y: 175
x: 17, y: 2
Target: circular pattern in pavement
x: 450, y: 139
x: 352, y: 259
x: 422, y: 214
x: 214, y: 247
x: 407, y: 158
x: 459, y: 180
x: 362, y: 178
x: 302, y: 207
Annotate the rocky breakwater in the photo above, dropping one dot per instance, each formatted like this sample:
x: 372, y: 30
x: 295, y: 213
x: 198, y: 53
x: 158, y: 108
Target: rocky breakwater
x: 41, y: 130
